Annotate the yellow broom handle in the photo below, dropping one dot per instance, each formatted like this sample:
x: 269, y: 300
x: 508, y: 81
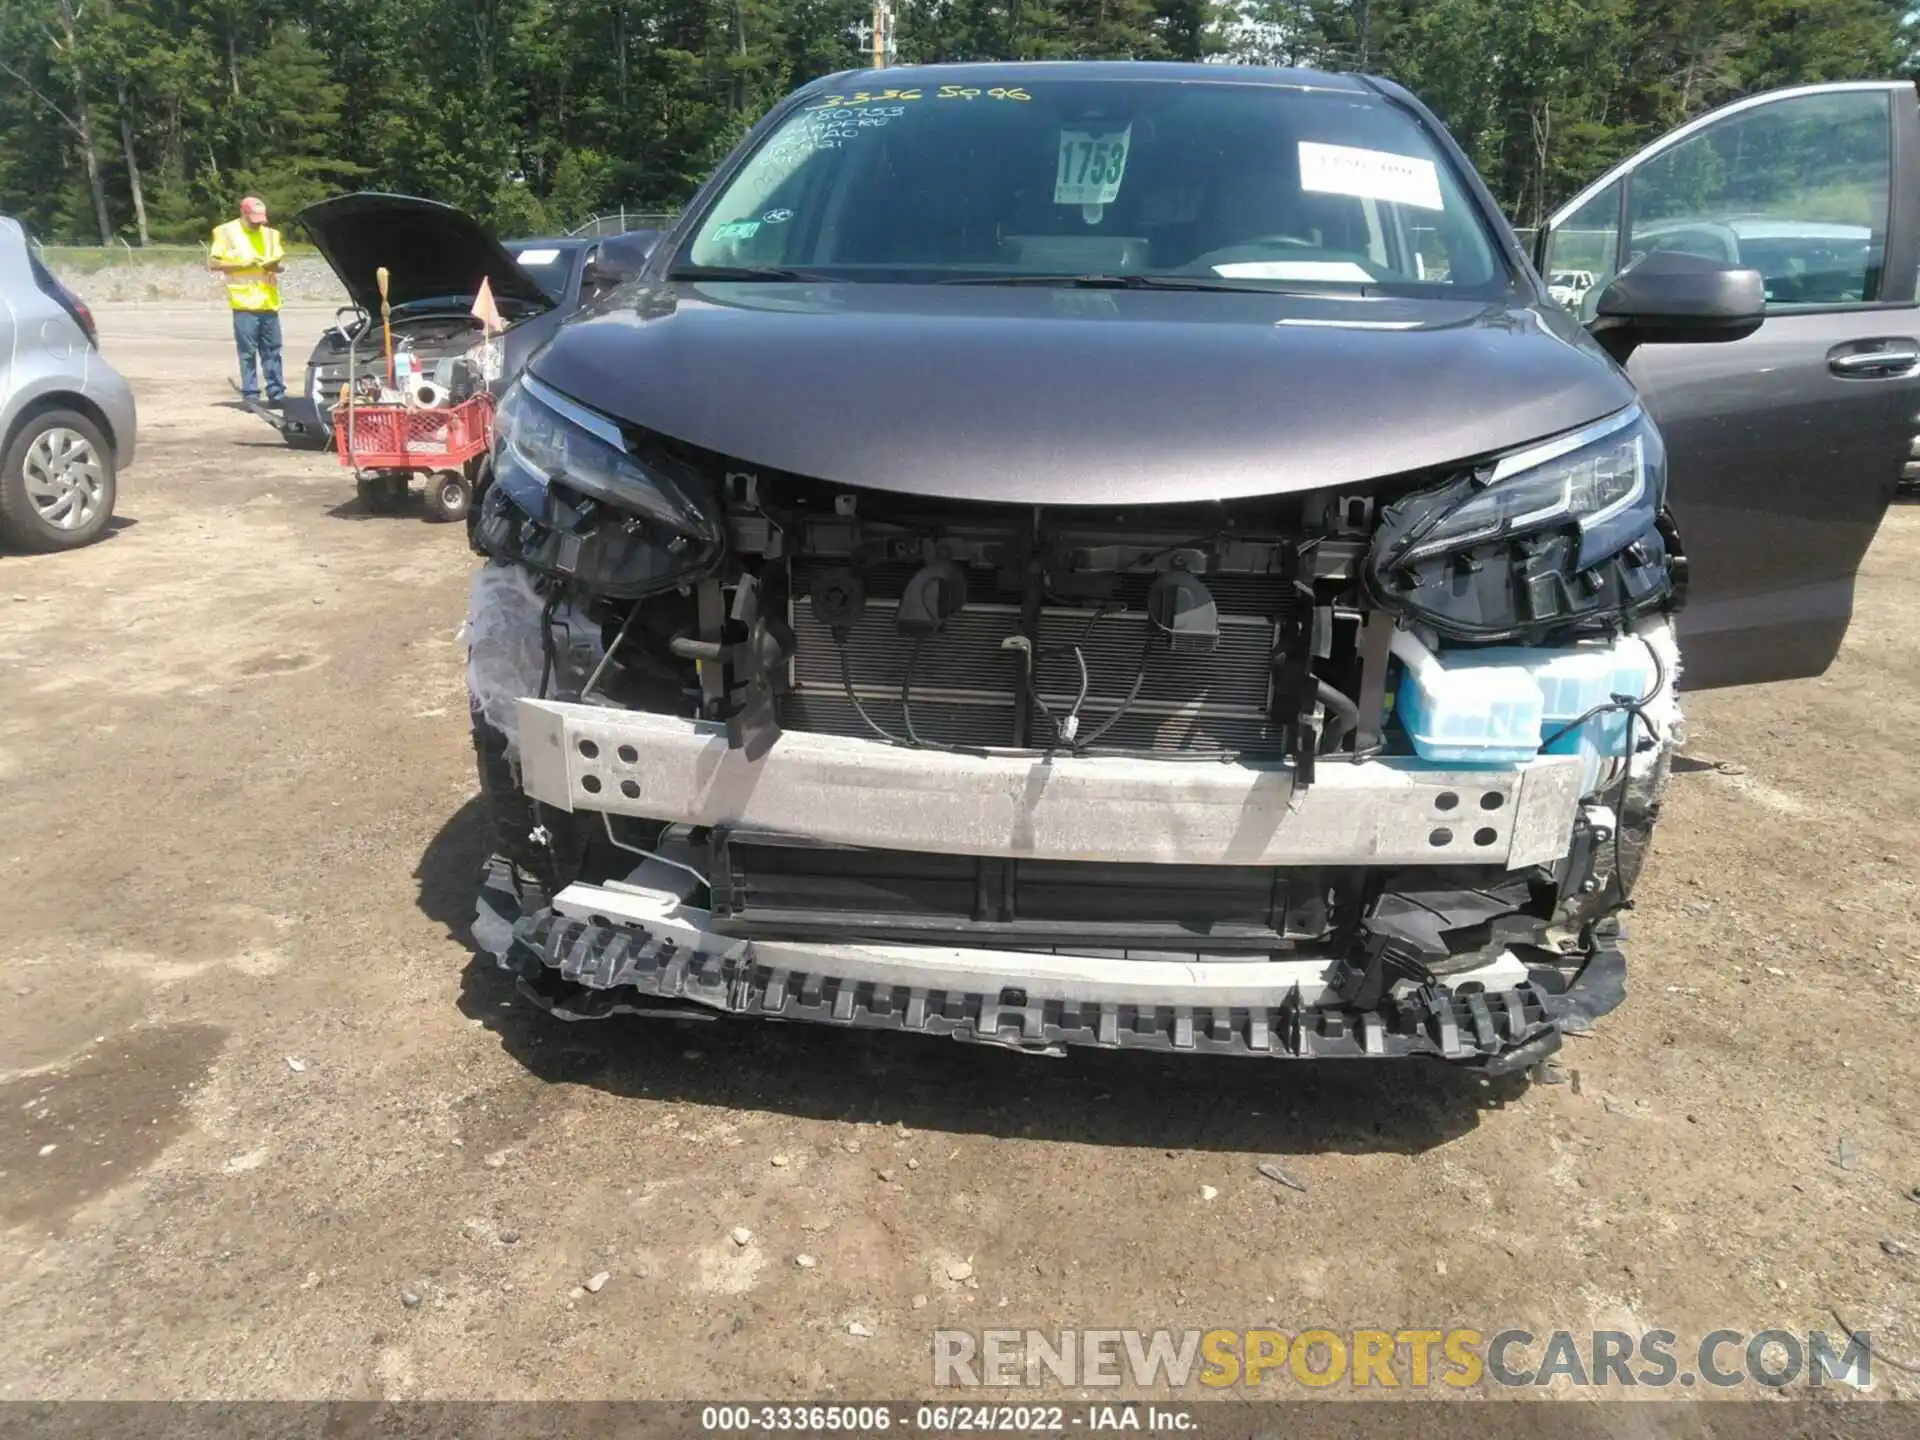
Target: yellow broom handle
x: 386, y: 319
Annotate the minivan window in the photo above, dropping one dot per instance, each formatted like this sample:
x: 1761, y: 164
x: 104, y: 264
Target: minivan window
x: 1798, y: 188
x: 1268, y: 186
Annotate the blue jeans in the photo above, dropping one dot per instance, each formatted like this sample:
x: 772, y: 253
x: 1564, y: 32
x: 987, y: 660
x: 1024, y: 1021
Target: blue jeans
x: 259, y: 330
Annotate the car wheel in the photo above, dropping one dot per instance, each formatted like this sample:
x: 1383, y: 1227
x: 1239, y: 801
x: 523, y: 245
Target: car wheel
x: 480, y: 473
x: 449, y: 495
x: 511, y: 817
x: 554, y: 846
x: 56, y: 483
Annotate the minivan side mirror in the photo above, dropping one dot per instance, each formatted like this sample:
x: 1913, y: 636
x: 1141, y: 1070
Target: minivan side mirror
x: 621, y: 258
x: 1672, y: 298
x: 598, y: 275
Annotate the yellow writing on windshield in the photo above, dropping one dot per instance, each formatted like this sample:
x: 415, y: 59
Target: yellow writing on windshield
x: 974, y: 92
x: 946, y: 92
x: 863, y: 97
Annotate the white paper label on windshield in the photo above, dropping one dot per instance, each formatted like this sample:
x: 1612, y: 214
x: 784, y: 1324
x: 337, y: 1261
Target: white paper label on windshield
x: 1369, y: 175
x: 1293, y: 270
x: 1092, y: 165
x: 538, y: 257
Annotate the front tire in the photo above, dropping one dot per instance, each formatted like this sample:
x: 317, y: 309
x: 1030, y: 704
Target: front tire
x: 307, y: 439
x: 480, y: 474
x: 576, y: 846
x: 57, y: 483
x: 515, y: 820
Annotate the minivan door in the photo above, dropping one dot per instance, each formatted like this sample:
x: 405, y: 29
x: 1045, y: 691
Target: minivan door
x: 1784, y: 448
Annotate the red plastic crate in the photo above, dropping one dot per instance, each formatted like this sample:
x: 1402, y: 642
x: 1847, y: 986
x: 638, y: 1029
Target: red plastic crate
x: 396, y: 437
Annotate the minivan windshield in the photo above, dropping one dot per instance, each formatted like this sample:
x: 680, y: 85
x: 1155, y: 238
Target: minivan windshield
x: 1220, y: 185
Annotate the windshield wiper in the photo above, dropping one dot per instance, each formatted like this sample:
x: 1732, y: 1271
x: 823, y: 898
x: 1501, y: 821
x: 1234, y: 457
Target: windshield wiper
x: 739, y: 272
x: 1127, y: 282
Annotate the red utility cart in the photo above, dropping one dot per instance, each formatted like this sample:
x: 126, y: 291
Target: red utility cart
x: 386, y: 445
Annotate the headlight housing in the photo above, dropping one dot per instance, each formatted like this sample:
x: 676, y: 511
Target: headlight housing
x: 570, y: 498
x: 486, y: 357
x: 1565, y: 531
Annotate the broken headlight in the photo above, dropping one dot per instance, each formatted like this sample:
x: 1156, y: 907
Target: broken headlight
x: 1538, y: 540
x: 570, y: 497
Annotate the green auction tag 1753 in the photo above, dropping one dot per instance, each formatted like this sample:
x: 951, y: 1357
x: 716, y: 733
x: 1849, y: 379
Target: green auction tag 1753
x: 1091, y: 166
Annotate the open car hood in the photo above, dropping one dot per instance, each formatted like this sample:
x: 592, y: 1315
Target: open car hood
x: 431, y: 251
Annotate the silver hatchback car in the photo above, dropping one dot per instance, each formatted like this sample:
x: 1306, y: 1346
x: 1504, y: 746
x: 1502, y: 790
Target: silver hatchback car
x: 67, y: 417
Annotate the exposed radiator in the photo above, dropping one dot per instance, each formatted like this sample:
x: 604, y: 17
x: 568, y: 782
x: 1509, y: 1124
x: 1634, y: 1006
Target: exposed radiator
x: 966, y: 688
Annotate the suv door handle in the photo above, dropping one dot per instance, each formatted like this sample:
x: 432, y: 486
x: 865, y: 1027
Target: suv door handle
x: 1864, y: 360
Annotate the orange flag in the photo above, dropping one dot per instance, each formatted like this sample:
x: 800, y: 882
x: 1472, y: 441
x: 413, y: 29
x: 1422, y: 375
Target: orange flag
x: 485, y: 311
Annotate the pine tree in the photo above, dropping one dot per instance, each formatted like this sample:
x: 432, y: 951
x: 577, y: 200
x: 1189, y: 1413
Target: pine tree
x: 532, y: 112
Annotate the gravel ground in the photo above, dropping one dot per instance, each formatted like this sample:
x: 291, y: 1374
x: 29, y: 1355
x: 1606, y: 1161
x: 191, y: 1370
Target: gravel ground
x: 268, y: 1128
x: 305, y: 280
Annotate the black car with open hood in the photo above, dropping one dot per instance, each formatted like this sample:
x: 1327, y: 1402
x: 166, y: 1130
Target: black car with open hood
x: 431, y: 252
x: 436, y: 257
x: 1133, y: 555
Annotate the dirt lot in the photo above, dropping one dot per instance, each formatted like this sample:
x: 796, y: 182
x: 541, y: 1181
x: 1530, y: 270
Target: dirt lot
x: 258, y: 1091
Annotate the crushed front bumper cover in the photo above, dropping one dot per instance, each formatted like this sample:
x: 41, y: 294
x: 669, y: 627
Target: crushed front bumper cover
x: 599, y: 951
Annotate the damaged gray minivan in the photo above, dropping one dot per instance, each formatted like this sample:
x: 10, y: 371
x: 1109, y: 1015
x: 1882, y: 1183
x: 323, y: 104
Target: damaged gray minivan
x: 1131, y: 555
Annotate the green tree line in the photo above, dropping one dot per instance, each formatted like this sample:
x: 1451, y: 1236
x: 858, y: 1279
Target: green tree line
x: 145, y: 120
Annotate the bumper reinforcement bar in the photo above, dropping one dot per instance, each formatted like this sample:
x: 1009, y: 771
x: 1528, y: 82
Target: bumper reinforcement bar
x: 849, y: 791
x: 589, y: 968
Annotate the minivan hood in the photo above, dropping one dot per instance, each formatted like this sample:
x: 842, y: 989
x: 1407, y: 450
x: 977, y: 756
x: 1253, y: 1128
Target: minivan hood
x: 1040, y: 395
x: 431, y: 251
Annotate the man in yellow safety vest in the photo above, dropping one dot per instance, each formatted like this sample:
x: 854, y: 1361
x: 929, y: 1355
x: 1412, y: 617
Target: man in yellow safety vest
x: 248, y: 252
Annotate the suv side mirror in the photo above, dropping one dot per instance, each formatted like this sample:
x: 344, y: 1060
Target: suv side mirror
x: 1672, y: 298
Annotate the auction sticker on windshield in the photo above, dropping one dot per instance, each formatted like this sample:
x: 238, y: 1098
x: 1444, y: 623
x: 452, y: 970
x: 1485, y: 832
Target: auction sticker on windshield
x: 1342, y: 270
x: 1369, y: 175
x: 1092, y: 166
x: 538, y: 257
